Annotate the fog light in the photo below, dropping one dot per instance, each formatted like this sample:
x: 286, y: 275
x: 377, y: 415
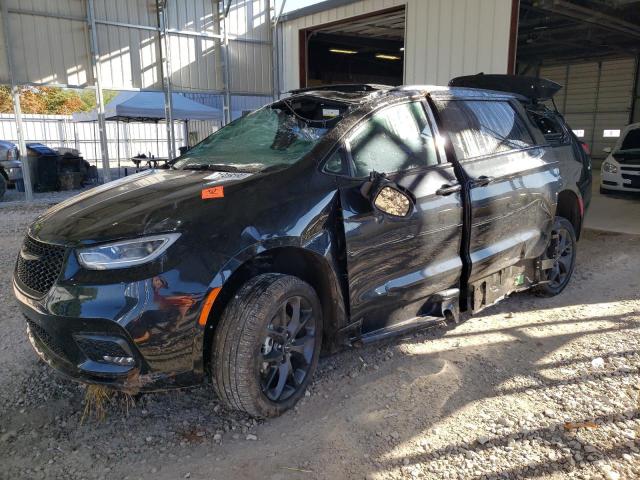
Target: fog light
x: 119, y: 360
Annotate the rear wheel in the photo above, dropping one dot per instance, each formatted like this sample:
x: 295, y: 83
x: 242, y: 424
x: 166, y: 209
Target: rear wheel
x: 562, y: 250
x: 267, y: 345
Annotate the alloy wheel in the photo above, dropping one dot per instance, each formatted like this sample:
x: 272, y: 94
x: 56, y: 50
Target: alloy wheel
x: 561, y: 251
x: 287, y: 349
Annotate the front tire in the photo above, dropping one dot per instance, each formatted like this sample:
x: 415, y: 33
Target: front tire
x: 267, y: 345
x: 562, y: 249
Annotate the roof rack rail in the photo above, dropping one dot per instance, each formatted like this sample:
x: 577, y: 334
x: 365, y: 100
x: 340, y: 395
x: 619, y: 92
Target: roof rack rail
x: 343, y: 87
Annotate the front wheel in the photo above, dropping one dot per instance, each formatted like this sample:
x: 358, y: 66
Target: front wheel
x: 562, y: 250
x: 267, y: 345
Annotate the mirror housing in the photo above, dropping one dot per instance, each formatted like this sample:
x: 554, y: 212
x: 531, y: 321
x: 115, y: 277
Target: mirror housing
x: 606, y: 149
x: 391, y: 201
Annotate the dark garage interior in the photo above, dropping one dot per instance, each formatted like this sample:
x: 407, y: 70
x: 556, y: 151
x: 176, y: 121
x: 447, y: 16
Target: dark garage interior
x: 591, y: 48
x: 368, y: 49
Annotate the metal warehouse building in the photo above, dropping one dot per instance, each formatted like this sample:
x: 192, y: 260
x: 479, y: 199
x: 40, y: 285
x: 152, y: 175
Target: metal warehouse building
x: 237, y: 55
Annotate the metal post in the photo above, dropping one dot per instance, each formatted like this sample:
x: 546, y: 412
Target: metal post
x: 15, y: 93
x: 217, y: 45
x: 166, y: 70
x: 275, y: 52
x: 595, y: 108
x: 227, y: 66
x: 127, y: 147
x: 118, y: 145
x: 95, y: 61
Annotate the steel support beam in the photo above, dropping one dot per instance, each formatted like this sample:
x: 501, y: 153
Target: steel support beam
x: 275, y: 53
x: 95, y: 63
x: 166, y: 70
x: 17, y: 110
x: 226, y: 109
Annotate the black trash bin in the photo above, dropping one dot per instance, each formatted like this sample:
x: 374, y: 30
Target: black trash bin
x: 43, y: 165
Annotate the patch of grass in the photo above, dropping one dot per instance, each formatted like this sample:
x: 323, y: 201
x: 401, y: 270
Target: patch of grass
x: 97, y: 399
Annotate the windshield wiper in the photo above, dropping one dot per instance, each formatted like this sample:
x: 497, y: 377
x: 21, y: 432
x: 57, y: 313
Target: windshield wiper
x: 211, y: 167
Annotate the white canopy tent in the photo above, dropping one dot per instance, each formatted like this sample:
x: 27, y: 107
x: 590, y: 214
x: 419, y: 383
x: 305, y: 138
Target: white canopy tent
x: 150, y: 107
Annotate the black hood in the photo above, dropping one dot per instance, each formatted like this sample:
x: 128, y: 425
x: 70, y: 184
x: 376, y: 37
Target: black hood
x: 145, y: 203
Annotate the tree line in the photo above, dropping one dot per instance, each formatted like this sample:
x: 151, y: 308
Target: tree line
x: 52, y: 100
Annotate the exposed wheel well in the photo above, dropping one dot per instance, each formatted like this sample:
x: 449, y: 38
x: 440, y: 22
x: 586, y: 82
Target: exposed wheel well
x: 310, y: 267
x: 569, y: 208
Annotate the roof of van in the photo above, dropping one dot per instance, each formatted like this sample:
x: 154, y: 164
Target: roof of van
x: 358, y: 93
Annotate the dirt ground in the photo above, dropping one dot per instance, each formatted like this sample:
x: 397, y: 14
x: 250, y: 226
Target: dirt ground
x: 530, y: 388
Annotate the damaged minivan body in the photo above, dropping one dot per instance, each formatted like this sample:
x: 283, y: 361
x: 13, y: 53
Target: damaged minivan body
x: 335, y: 216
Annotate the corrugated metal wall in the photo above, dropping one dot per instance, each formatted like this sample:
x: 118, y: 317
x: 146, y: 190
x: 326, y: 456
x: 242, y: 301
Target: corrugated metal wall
x: 597, y: 96
x: 443, y: 38
x: 448, y: 38
x: 48, y: 50
x: 50, y: 44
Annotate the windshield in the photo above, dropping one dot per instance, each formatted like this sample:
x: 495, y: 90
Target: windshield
x: 631, y: 140
x: 270, y: 137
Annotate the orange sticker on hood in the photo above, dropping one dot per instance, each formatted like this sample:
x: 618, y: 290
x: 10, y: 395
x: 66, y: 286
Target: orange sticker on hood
x: 212, y: 192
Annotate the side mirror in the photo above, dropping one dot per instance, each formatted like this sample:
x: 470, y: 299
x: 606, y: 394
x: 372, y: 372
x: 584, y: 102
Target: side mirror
x: 392, y: 201
x: 606, y: 149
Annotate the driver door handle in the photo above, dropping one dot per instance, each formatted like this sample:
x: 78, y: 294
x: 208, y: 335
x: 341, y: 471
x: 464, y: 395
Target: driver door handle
x: 448, y: 189
x: 482, y: 181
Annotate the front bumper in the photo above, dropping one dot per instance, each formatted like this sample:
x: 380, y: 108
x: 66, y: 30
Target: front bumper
x: 626, y: 179
x: 160, y: 353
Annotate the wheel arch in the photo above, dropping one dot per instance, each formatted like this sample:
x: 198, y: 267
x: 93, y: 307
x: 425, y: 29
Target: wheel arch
x: 571, y: 207
x: 313, y: 268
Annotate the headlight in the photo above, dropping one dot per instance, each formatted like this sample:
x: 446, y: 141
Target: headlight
x: 126, y: 253
x: 609, y: 167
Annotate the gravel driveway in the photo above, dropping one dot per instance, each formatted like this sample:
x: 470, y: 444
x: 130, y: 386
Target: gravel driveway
x: 530, y: 388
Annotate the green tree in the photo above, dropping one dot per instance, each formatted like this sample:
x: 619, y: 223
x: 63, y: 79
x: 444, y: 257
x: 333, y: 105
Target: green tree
x: 52, y: 100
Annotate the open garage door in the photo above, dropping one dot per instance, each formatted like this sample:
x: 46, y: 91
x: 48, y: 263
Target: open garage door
x: 592, y: 48
x: 596, y: 99
x: 362, y: 49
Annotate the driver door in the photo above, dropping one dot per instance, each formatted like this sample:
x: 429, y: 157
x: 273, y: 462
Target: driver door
x: 397, y: 264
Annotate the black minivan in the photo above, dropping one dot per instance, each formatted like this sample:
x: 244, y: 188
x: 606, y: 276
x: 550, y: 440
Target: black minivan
x: 335, y: 216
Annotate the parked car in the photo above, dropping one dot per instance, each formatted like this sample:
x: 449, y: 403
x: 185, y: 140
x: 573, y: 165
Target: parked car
x: 10, y: 166
x: 620, y: 171
x: 336, y: 216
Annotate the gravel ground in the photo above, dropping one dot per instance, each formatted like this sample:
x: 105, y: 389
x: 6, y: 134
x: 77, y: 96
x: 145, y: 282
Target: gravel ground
x: 530, y: 388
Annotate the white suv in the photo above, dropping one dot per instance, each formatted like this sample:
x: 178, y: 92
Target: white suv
x: 621, y: 169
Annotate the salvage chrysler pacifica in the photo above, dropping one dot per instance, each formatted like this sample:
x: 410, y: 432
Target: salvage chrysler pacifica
x: 335, y: 216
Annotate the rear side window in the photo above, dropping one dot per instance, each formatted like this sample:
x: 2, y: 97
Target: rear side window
x: 395, y: 139
x: 479, y: 127
x: 551, y: 129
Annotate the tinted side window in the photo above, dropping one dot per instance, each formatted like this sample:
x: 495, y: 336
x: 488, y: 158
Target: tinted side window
x: 394, y: 139
x: 337, y: 163
x: 480, y: 127
x: 553, y: 132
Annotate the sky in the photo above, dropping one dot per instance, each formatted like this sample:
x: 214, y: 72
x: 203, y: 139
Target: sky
x: 295, y: 4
